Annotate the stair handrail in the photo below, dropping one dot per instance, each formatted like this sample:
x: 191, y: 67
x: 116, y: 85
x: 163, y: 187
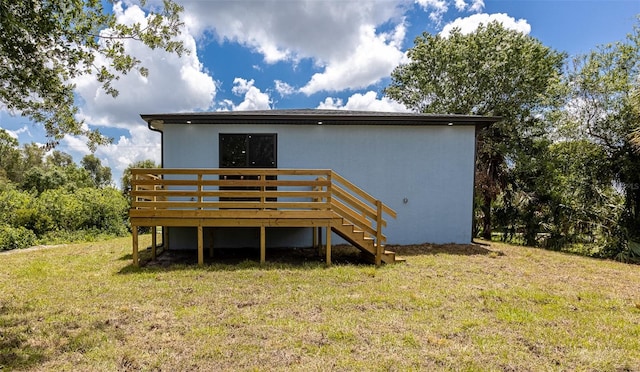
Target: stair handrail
x: 360, y: 192
x: 374, y: 210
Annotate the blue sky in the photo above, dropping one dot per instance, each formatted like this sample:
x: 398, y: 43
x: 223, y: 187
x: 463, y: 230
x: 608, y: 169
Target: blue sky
x: 276, y: 54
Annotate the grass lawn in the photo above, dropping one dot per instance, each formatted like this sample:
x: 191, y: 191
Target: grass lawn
x: 83, y: 307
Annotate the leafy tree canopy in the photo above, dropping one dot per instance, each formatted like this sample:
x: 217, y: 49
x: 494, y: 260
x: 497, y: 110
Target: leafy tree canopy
x: 603, y: 107
x: 45, y: 44
x: 492, y: 71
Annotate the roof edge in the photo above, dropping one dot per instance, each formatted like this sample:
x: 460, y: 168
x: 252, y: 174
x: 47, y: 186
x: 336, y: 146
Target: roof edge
x: 315, y: 117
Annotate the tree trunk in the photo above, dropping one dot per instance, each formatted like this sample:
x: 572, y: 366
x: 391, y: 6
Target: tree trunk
x: 486, y: 218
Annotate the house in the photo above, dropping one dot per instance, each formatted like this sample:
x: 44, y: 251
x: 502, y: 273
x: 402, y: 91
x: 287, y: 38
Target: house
x: 419, y: 166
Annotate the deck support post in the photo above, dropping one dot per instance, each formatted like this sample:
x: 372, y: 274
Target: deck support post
x: 328, y: 248
x: 134, y: 238
x: 263, y: 245
x: 200, y: 247
x: 315, y: 233
x: 154, y: 242
x: 378, y: 233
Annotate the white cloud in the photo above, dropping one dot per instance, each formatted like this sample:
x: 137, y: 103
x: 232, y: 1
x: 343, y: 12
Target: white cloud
x: 16, y: 133
x: 460, y: 5
x: 477, y: 6
x: 332, y: 34
x: 435, y: 8
x: 363, y: 102
x: 469, y: 24
x: 75, y: 145
x: 283, y: 88
x: 142, y: 145
x: 374, y: 58
x: 174, y: 83
x: 290, y: 30
x: 254, y: 98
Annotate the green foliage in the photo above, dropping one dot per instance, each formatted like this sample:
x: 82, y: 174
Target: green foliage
x: 9, y: 156
x: 84, y: 209
x: 55, y: 200
x: 45, y: 45
x: 15, y: 237
x: 562, y: 197
x: 59, y: 214
x: 602, y: 108
x: 100, y: 174
x: 631, y: 254
x: 492, y: 71
x: 562, y: 169
x: 126, y: 175
x: 70, y: 177
x: 12, y: 205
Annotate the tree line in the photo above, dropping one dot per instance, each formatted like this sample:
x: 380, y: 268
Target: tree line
x: 46, y: 198
x: 561, y: 170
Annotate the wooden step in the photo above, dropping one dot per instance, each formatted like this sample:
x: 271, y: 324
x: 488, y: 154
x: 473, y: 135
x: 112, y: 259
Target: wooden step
x: 389, y: 257
x: 366, y: 244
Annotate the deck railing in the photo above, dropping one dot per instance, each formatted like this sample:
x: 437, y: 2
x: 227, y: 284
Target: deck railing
x: 237, y: 188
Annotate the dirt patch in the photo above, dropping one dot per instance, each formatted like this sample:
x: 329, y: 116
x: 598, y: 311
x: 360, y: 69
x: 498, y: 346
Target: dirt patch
x: 340, y: 254
x: 457, y: 249
x: 34, y: 248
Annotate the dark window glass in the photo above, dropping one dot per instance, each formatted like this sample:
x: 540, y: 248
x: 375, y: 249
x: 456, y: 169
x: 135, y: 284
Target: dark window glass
x: 233, y: 151
x: 262, y: 151
x: 247, y: 151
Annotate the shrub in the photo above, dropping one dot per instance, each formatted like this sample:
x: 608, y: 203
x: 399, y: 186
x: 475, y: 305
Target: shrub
x: 85, y: 209
x: 10, y: 202
x: 15, y: 237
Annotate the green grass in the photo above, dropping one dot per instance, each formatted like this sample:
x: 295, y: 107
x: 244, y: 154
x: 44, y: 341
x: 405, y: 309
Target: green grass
x: 83, y: 307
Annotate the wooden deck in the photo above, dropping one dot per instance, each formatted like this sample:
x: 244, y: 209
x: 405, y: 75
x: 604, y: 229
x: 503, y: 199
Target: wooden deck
x: 261, y: 198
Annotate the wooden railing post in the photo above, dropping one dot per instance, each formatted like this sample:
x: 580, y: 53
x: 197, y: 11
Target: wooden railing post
x: 329, y: 188
x: 263, y: 178
x: 200, y: 191
x: 378, y: 232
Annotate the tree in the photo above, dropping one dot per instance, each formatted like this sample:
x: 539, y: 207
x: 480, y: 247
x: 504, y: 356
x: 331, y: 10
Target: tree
x: 59, y: 159
x: 100, y: 174
x: 635, y: 134
x: 492, y: 71
x: 45, y: 44
x: 9, y: 156
x: 603, y: 109
x: 126, y: 175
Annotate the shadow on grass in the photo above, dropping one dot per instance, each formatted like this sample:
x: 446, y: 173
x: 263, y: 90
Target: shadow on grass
x: 16, y: 352
x: 433, y: 249
x: 243, y: 259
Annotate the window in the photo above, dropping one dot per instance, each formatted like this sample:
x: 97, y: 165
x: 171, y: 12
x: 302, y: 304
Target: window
x: 247, y: 151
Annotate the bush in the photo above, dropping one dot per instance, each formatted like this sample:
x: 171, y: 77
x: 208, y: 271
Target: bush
x: 15, y: 238
x: 84, y: 209
x: 12, y: 201
x: 61, y: 215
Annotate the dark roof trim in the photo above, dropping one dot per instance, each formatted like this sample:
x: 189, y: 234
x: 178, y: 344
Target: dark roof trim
x: 315, y: 117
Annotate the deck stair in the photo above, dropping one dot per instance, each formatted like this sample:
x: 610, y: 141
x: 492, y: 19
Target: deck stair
x: 359, y: 220
x: 367, y: 245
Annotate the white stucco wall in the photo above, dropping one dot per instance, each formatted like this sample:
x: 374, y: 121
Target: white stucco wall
x: 431, y: 166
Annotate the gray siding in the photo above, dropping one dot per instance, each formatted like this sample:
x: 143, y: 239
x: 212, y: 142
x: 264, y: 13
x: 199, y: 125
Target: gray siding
x: 431, y: 166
